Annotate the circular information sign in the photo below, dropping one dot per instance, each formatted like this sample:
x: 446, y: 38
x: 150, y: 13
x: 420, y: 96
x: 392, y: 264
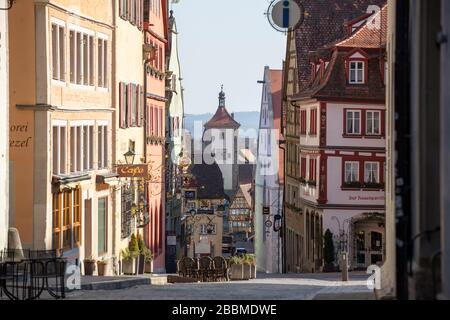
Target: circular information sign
x: 285, y: 14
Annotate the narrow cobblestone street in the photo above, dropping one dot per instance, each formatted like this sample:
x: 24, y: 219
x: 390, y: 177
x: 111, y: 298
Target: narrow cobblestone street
x: 266, y: 287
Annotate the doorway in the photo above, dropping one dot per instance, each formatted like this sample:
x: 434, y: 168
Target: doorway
x: 368, y: 240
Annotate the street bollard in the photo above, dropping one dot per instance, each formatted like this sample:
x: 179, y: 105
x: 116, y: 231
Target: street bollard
x: 344, y: 266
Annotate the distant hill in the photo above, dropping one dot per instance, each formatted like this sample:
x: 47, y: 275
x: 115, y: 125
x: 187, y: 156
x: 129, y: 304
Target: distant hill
x: 248, y: 120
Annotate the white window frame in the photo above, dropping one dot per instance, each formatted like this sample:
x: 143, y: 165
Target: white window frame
x: 102, y: 61
x: 61, y: 65
x: 354, y: 67
x: 78, y: 67
x: 102, y: 145
x: 353, y: 165
x: 369, y: 167
x: 373, y: 112
x: 353, y: 119
x: 59, y: 159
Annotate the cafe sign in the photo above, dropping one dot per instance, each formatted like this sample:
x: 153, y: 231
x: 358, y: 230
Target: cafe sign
x: 133, y: 171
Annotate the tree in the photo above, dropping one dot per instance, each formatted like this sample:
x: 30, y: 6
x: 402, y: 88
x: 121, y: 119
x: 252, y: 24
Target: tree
x: 328, y: 251
x: 133, y: 246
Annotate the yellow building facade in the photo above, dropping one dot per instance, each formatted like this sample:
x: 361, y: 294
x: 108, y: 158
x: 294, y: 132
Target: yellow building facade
x: 61, y: 114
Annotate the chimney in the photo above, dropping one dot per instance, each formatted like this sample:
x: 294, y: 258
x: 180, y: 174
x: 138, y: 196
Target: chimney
x: 232, y: 115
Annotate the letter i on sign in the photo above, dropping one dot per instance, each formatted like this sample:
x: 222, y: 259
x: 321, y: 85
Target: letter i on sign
x: 286, y: 14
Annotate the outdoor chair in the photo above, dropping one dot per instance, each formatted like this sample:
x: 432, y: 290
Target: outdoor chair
x: 14, y: 275
x: 181, y: 267
x: 221, y: 270
x: 206, y: 268
x: 47, y: 265
x: 191, y: 268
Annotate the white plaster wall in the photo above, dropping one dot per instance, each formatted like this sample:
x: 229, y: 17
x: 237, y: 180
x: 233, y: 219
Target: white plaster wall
x: 4, y: 107
x: 176, y: 106
x: 267, y: 244
x: 337, y: 196
x: 309, y: 140
x: 335, y: 127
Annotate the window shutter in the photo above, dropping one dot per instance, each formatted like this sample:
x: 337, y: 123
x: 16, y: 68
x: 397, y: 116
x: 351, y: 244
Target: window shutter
x: 139, y: 103
x: 129, y: 96
x: 121, y: 101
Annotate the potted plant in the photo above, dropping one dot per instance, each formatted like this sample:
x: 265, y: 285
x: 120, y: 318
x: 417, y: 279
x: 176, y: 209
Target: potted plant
x: 148, y: 258
x: 236, y: 268
x: 89, y: 266
x: 247, y: 267
x: 128, y: 261
x: 328, y: 252
x: 102, y: 267
x: 141, y: 257
x: 250, y: 259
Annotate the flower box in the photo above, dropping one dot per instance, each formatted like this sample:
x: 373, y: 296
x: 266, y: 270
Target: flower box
x: 237, y: 272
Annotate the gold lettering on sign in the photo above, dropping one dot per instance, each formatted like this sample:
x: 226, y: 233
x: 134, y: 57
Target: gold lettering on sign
x: 22, y: 142
x: 132, y: 171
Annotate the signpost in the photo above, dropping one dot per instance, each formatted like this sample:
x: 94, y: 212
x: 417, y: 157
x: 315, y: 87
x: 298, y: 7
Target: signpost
x: 285, y: 14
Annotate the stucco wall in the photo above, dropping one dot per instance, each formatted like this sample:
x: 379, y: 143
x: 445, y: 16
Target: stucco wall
x: 338, y: 196
x: 335, y: 127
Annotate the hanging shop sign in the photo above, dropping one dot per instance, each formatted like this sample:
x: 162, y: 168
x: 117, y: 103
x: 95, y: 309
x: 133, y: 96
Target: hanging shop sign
x: 133, y: 171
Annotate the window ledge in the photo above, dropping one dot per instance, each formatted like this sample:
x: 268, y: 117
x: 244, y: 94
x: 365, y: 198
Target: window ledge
x: 352, y: 136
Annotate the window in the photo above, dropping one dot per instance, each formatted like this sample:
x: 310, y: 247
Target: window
x: 81, y: 58
x: 353, y: 122
x: 126, y: 217
x: 102, y: 67
x: 351, y: 172
x: 372, y: 172
x: 66, y: 214
x: 134, y: 97
x: 58, y: 52
x: 303, y: 122
x: 313, y: 122
x: 59, y: 149
x: 88, y: 60
x: 75, y: 149
x: 102, y: 223
x: 122, y: 105
x: 356, y: 75
x: 303, y: 168
x: 208, y: 229
x: 81, y: 148
x: 123, y: 9
x: 312, y: 169
x: 373, y: 126
x: 102, y: 144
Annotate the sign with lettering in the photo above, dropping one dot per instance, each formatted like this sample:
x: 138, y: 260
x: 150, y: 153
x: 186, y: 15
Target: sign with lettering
x: 19, y: 136
x: 133, y: 171
x: 266, y: 210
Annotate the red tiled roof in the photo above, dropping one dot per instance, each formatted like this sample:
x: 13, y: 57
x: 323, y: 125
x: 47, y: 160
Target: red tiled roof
x: 370, y: 35
x: 325, y: 22
x: 334, y: 85
x: 222, y: 119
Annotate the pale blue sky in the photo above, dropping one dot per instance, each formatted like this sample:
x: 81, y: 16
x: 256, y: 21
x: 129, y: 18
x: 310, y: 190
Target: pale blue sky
x: 225, y: 42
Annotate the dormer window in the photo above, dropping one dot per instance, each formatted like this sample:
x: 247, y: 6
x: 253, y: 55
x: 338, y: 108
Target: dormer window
x: 356, y: 72
x: 356, y: 63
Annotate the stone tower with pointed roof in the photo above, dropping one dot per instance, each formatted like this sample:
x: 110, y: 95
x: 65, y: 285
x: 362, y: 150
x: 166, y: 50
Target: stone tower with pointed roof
x: 220, y: 142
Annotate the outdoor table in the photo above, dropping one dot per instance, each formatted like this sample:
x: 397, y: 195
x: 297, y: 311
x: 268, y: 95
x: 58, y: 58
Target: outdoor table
x: 26, y: 279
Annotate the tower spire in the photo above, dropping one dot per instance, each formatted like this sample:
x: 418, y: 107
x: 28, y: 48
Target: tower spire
x: 221, y: 97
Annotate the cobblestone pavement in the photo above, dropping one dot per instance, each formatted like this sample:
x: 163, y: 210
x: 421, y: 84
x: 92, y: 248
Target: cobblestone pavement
x: 266, y: 287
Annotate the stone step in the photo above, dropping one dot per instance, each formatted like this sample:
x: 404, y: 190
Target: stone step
x: 157, y: 280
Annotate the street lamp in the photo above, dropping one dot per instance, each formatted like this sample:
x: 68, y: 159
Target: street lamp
x: 129, y: 157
